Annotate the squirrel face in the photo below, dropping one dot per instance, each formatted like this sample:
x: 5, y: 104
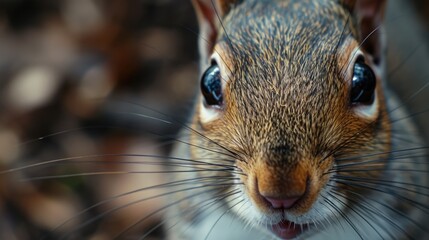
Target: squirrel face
x: 293, y: 89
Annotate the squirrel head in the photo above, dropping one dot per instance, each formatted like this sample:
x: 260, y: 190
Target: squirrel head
x: 295, y: 89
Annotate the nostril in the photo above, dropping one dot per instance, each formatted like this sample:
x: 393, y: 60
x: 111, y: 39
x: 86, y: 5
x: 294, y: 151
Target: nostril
x: 282, y: 203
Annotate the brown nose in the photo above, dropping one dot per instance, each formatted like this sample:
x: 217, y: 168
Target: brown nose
x: 280, y: 188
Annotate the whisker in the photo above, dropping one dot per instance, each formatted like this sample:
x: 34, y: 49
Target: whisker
x: 194, y: 209
x: 414, y: 95
x: 419, y: 205
x: 223, y: 214
x: 382, y: 161
x: 59, y: 160
x: 171, y: 163
x: 344, y: 216
x: 89, y: 174
x: 405, y: 138
x: 387, y: 183
x: 402, y: 63
x: 145, y: 116
x: 185, y: 126
x: 163, y: 185
x: 343, y: 31
x: 219, y: 187
x: 385, y: 170
x: 210, y: 202
x: 224, y: 30
x: 383, y: 153
x: 357, y: 212
x: 375, y: 211
x: 321, y: 222
x: 334, y: 216
x: 414, y: 114
x: 208, y: 44
x: 233, y: 155
x: 111, y: 211
x: 392, y: 209
x: 65, y: 132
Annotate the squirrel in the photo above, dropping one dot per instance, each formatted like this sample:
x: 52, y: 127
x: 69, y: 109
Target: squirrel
x: 295, y: 132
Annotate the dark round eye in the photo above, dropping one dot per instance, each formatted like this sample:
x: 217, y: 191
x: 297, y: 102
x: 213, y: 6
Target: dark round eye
x: 363, y: 84
x: 211, y: 86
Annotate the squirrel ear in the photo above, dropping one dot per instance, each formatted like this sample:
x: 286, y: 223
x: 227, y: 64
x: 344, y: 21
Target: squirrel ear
x: 209, y: 14
x: 369, y: 17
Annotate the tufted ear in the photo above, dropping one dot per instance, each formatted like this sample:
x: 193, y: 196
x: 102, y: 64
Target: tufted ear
x: 208, y: 13
x: 369, y: 17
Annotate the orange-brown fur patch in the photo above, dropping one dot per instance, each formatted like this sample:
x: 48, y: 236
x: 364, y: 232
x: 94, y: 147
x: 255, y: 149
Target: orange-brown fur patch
x: 287, y: 113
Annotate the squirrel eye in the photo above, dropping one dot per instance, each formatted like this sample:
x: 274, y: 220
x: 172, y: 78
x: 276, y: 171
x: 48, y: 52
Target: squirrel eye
x: 363, y: 84
x: 211, y: 86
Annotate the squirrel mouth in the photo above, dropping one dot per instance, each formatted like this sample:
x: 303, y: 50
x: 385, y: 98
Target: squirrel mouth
x: 288, y: 230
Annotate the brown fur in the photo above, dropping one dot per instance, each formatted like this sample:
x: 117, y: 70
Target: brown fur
x: 309, y: 114
x: 287, y: 115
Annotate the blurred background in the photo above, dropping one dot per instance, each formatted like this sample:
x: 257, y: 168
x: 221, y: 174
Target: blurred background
x: 82, y: 70
x: 75, y: 77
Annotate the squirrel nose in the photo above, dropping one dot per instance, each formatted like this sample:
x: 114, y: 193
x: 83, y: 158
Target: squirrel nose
x: 285, y: 203
x: 283, y: 191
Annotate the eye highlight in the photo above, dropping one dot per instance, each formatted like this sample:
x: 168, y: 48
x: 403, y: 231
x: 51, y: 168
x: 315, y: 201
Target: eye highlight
x: 211, y: 86
x: 363, y: 84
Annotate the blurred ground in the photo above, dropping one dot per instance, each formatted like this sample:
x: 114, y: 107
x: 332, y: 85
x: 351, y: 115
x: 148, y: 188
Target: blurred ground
x: 74, y: 69
x: 78, y: 66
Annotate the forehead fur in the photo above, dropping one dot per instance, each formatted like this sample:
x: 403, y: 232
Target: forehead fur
x: 290, y: 42
x: 292, y: 68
